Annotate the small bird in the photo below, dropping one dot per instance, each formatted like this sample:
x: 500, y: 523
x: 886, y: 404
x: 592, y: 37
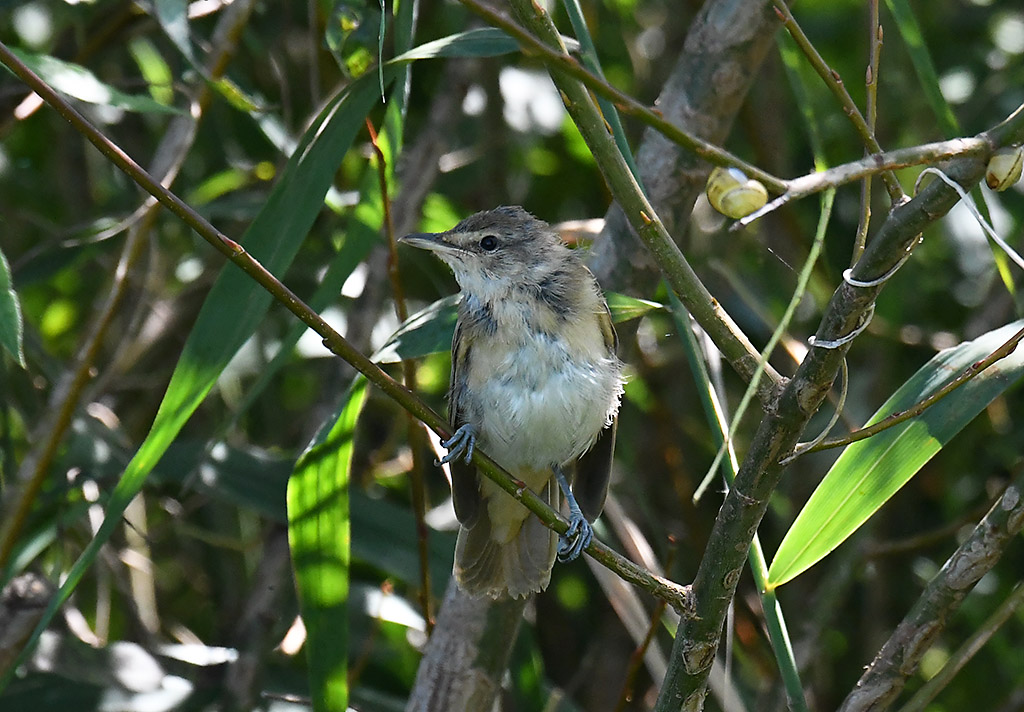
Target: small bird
x: 536, y: 384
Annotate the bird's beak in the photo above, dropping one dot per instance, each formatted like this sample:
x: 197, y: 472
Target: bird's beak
x: 433, y: 241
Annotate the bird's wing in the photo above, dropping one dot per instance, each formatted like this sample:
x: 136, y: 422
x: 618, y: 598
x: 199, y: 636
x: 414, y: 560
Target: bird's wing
x: 594, y: 469
x: 465, y: 484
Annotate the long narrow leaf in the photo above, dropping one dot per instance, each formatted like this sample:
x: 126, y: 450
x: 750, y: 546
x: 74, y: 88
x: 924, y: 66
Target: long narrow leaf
x: 235, y: 305
x: 319, y: 534
x: 11, y: 325
x: 928, y: 78
x: 78, y: 82
x: 871, y: 471
x: 430, y: 330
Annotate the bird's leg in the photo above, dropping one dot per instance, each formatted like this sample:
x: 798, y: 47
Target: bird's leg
x: 580, y: 532
x: 460, y: 444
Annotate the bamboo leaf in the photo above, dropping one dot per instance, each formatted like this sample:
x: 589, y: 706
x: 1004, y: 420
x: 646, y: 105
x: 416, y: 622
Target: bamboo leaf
x: 482, y: 42
x: 11, y: 325
x: 430, y: 331
x: 871, y: 471
x: 319, y: 535
x: 78, y: 82
x: 236, y: 304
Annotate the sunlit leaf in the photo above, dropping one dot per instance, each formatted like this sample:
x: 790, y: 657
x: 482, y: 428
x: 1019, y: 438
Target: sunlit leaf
x: 236, y: 304
x: 871, y: 471
x: 626, y: 308
x: 483, y: 42
x: 78, y: 82
x: 319, y: 535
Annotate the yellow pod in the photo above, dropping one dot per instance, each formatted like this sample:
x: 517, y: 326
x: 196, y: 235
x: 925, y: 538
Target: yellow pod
x: 734, y: 195
x: 1004, y: 167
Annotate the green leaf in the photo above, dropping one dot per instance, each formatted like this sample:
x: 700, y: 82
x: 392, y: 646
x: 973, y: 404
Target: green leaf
x: 384, y: 536
x: 236, y: 304
x: 172, y: 15
x: 78, y: 82
x: 11, y: 325
x: 483, y: 42
x: 319, y: 534
x: 920, y: 57
x: 430, y: 331
x: 626, y: 308
x: 910, y: 31
x: 871, y: 471
x: 426, y: 332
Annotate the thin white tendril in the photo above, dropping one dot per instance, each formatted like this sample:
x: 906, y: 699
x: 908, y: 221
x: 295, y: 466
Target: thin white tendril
x: 848, y: 275
x: 801, y: 448
x: 1010, y: 252
x: 843, y: 340
x: 1016, y: 258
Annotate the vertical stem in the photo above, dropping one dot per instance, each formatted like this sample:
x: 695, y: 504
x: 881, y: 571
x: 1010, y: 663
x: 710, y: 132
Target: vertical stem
x: 417, y: 443
x: 871, y: 108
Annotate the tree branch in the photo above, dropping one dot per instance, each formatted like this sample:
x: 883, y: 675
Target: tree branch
x: 674, y: 594
x: 898, y: 659
x: 697, y: 638
x: 712, y: 317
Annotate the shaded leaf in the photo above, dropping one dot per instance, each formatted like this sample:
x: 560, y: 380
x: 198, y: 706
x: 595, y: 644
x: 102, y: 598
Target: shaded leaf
x: 430, y: 331
x: 426, y: 332
x: 11, y: 325
x: 172, y: 15
x: 236, y: 304
x: 871, y: 471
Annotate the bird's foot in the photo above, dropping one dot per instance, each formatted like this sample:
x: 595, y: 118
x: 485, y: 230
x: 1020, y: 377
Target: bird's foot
x: 580, y: 533
x: 460, y: 444
x: 576, y: 538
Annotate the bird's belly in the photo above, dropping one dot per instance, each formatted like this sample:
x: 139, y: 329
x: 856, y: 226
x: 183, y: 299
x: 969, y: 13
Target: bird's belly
x: 539, y: 407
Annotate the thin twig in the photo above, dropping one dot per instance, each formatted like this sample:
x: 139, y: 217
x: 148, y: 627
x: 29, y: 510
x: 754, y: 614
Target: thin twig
x: 966, y: 375
x: 871, y: 107
x: 676, y: 595
x: 875, y: 163
x: 835, y: 83
x: 626, y: 104
x: 417, y: 442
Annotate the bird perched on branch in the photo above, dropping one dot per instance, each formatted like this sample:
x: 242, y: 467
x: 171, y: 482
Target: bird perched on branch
x: 535, y: 384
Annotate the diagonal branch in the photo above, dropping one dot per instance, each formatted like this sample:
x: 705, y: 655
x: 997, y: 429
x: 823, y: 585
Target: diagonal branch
x: 697, y: 638
x: 672, y: 593
x: 568, y: 64
x: 898, y: 659
x: 708, y: 312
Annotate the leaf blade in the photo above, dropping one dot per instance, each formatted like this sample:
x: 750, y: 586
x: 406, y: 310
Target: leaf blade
x: 12, y: 327
x: 871, y: 471
x: 319, y: 535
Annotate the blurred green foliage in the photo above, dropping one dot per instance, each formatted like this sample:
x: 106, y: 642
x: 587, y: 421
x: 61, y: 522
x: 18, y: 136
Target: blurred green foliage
x: 205, y: 562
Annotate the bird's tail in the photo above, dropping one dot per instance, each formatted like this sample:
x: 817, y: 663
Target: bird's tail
x: 516, y: 567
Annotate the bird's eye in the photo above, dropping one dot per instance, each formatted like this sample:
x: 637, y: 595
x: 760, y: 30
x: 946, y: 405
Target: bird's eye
x: 489, y: 243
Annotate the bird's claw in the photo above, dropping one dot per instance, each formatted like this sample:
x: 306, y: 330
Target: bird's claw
x: 576, y: 538
x: 460, y: 444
